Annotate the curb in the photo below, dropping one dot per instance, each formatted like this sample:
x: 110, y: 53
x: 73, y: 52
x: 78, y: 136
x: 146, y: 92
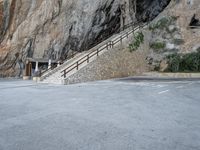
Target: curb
x: 171, y: 75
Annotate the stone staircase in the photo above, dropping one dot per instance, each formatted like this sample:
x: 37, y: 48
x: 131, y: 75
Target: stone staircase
x: 68, y: 68
x: 54, y: 76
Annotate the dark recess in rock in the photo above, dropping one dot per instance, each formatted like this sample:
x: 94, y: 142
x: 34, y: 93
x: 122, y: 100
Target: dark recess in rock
x: 149, y: 9
x: 106, y: 27
x: 194, y: 21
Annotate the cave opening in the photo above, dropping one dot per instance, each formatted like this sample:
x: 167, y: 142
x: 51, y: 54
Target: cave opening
x: 195, y: 22
x: 147, y: 10
x: 35, y: 67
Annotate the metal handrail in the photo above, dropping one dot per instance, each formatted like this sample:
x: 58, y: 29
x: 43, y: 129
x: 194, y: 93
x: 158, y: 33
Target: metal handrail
x: 98, y: 50
x: 53, y: 67
x: 193, y: 27
x: 43, y: 72
x: 132, y: 24
x: 110, y: 35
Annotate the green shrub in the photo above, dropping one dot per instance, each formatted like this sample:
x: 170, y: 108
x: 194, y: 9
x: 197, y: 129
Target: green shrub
x: 184, y: 63
x: 138, y: 39
x: 171, y: 31
x: 178, y: 41
x: 160, y: 24
x: 163, y: 23
x: 198, y: 49
x: 174, y: 18
x: 174, y: 61
x: 157, y: 45
x: 191, y: 62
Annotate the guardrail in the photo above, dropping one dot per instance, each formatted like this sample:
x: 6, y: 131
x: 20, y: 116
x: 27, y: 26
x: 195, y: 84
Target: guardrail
x: 193, y: 27
x: 96, y: 52
x: 53, y: 67
x: 132, y: 24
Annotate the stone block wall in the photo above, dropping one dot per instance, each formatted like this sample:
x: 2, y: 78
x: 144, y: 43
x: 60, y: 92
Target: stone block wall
x: 115, y: 63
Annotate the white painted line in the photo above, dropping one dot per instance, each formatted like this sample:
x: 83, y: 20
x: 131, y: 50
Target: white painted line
x: 179, y: 87
x: 163, y: 92
x: 161, y: 86
x: 191, y: 83
x: 158, y: 86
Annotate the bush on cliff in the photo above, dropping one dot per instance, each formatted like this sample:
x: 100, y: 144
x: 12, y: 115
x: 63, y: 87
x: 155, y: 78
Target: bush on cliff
x: 138, y: 39
x: 184, y: 63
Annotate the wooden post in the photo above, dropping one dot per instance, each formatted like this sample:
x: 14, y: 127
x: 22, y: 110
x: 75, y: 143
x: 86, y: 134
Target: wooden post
x: 97, y: 52
x: 64, y: 73
x: 111, y: 42
x: 30, y: 69
x: 88, y: 59
x: 77, y: 65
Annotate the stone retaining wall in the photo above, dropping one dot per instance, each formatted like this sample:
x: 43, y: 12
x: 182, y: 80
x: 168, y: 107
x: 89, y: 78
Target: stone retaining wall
x: 115, y: 63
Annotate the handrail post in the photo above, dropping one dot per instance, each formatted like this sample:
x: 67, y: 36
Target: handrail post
x: 97, y: 52
x: 139, y: 26
x: 77, y: 65
x: 64, y: 73
x: 121, y: 39
x: 107, y: 46
x: 133, y: 26
x: 88, y: 58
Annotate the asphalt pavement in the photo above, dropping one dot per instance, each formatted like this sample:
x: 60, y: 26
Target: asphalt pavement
x: 106, y: 115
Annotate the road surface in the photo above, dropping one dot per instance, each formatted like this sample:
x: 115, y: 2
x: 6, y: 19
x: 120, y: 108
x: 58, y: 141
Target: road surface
x: 105, y: 115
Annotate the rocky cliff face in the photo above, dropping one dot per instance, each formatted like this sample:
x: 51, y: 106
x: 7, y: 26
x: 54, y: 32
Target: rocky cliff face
x: 52, y: 28
x: 170, y: 33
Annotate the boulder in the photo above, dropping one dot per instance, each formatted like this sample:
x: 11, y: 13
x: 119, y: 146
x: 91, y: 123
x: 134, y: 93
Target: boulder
x: 172, y: 28
x: 196, y: 48
x: 170, y: 46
